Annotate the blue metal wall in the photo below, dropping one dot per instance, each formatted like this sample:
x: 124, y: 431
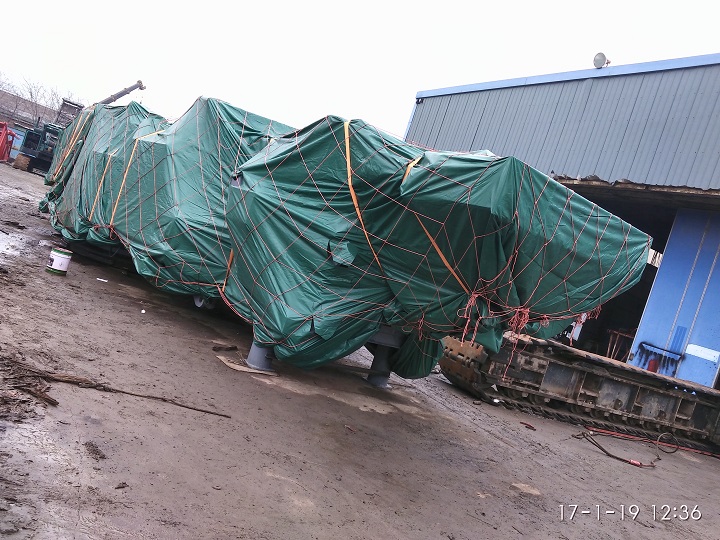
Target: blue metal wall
x: 680, y: 327
x: 655, y: 123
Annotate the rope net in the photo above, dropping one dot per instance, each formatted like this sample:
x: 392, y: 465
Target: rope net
x: 319, y: 237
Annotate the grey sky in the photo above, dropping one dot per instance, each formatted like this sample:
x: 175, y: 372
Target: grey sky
x: 296, y: 62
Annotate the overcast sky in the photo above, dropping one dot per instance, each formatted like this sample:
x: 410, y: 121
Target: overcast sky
x: 296, y: 62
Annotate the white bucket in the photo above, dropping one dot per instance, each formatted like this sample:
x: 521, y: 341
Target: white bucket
x: 59, y: 261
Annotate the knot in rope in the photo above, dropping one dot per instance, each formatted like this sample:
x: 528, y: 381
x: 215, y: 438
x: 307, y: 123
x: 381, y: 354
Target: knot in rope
x: 519, y: 320
x: 471, y: 303
x: 467, y: 315
x: 421, y: 325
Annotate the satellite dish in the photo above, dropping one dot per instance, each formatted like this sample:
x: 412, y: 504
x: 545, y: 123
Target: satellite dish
x: 600, y: 60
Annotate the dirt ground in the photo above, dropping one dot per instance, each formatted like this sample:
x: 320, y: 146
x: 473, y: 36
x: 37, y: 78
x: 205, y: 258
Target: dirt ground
x: 303, y: 455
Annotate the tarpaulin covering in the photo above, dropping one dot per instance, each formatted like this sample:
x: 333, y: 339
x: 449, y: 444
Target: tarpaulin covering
x: 339, y: 228
x: 156, y: 187
x: 319, y: 237
x: 88, y: 166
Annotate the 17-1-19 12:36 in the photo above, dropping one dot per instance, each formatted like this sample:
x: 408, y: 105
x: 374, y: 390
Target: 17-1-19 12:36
x: 664, y: 512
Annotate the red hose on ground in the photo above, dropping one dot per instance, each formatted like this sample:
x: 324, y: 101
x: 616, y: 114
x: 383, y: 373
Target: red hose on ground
x: 645, y: 439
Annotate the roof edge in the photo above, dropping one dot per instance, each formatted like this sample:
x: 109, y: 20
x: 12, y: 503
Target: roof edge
x: 611, y: 71
x: 629, y: 185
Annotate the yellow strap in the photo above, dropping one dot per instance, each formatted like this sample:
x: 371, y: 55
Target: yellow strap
x: 352, y: 192
x: 76, y: 130
x: 227, y: 273
x: 442, y: 257
x: 127, y: 169
x: 73, y: 139
x: 102, y: 178
x: 410, y: 166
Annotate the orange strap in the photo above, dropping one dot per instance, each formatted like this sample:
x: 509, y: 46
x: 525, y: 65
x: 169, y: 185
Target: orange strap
x: 353, y: 195
x: 73, y: 139
x: 102, y: 178
x: 127, y: 169
x: 432, y: 240
x: 442, y: 257
x: 227, y: 273
x: 410, y: 166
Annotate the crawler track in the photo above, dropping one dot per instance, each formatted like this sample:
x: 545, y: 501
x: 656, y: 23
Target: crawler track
x: 549, y: 378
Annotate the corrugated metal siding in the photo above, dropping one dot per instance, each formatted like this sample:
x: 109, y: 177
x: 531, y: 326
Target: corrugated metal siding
x: 657, y: 128
x: 682, y: 307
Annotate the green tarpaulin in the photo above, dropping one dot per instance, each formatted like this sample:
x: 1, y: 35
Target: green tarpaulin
x: 319, y: 237
x: 433, y: 243
x: 157, y: 188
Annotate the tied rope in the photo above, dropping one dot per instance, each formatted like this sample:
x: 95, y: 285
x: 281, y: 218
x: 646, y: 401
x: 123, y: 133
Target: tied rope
x: 519, y: 320
x: 467, y: 315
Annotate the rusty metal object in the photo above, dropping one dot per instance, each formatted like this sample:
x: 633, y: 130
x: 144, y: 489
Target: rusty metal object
x: 555, y: 380
x: 21, y: 162
x: 460, y: 364
x: 125, y: 91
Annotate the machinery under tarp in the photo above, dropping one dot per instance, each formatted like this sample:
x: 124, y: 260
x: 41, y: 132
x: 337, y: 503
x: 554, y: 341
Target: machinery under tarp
x: 324, y: 236
x: 125, y: 175
x: 88, y: 167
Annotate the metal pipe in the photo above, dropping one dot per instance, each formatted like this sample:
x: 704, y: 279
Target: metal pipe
x: 645, y: 345
x: 137, y: 86
x: 260, y: 357
x: 381, y: 367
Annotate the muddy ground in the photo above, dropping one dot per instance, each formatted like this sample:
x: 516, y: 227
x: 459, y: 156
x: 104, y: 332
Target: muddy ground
x: 303, y: 455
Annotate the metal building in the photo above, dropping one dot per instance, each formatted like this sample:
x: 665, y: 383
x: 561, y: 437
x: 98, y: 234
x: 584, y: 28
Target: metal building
x: 641, y: 141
